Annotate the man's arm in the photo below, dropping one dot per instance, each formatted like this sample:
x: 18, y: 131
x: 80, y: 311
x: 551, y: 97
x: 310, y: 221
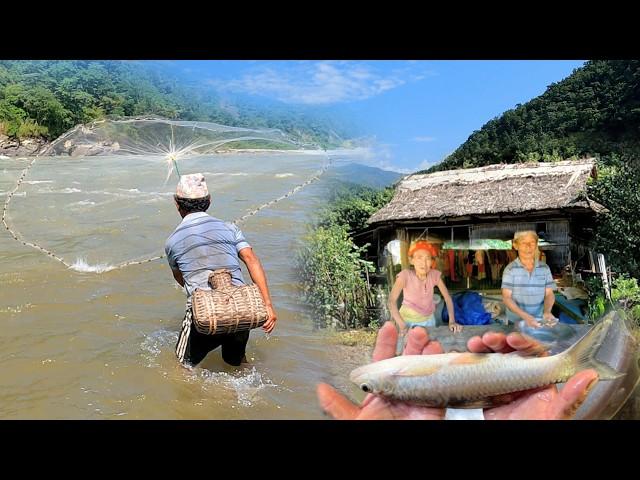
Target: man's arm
x: 549, y: 297
x: 549, y: 300
x: 177, y: 274
x: 511, y: 305
x: 260, y: 279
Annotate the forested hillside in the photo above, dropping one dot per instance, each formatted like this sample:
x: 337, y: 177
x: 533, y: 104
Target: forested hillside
x: 594, y: 111
x: 46, y: 98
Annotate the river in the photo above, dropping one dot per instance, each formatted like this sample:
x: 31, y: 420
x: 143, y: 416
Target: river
x: 87, y: 345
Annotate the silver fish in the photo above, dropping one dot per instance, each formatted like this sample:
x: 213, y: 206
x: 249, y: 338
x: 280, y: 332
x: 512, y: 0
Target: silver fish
x: 477, y: 380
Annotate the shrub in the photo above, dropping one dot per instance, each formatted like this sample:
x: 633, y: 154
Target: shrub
x: 334, y: 278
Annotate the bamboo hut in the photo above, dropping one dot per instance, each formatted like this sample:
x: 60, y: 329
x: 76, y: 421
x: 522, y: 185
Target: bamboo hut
x: 479, y: 209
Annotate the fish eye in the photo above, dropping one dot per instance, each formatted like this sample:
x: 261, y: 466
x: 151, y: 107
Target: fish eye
x: 365, y: 388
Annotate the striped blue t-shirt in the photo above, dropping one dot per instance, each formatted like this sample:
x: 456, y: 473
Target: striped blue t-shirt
x: 202, y: 244
x: 527, y: 289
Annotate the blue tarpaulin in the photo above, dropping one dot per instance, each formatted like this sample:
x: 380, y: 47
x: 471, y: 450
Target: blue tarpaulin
x: 468, y: 310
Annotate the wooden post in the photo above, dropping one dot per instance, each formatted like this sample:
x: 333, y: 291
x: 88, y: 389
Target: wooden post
x: 403, y: 237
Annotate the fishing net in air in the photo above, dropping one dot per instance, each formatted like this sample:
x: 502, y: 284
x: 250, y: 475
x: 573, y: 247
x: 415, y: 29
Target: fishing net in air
x: 99, y: 197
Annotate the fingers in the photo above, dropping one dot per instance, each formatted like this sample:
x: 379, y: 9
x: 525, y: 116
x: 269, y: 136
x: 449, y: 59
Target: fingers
x: 526, y: 346
x: 476, y: 345
x: 269, y: 325
x: 490, y: 342
x: 432, y: 348
x: 385, y: 343
x: 418, y: 343
x: 496, y: 342
x: 417, y: 339
x: 335, y: 404
x: 575, y: 393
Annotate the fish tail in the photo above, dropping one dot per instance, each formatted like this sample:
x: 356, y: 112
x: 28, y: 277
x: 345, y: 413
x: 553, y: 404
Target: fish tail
x: 583, y: 353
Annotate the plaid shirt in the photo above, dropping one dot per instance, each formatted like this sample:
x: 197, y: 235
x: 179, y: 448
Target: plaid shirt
x: 527, y: 289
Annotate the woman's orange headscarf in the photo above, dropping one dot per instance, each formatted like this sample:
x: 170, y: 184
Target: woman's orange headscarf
x: 422, y: 245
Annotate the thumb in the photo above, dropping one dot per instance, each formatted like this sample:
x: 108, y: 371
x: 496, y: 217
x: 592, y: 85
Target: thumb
x: 575, y: 392
x: 336, y: 404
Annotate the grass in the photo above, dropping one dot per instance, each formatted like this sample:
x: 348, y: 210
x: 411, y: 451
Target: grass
x: 353, y: 337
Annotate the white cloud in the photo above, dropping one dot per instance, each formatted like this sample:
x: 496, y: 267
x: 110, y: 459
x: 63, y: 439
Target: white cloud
x: 317, y: 83
x: 424, y: 139
x: 426, y: 164
x: 377, y: 155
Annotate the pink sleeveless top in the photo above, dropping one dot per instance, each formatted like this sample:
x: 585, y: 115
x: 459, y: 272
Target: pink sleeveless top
x: 418, y: 294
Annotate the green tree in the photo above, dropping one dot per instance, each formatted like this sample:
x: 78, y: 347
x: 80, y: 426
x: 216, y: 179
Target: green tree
x: 334, y: 278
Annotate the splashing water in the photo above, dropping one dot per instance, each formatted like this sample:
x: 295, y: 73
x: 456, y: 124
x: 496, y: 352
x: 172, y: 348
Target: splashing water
x: 154, y: 343
x: 246, y: 384
x: 81, y: 265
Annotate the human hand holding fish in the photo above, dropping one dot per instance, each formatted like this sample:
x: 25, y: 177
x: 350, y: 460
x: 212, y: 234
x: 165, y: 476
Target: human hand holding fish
x: 549, y: 320
x: 379, y: 408
x: 402, y: 390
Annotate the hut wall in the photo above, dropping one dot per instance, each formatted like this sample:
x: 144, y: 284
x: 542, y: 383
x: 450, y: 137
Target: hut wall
x: 555, y: 231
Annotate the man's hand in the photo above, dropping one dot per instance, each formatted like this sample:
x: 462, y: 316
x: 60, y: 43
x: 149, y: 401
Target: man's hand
x: 270, y: 324
x: 531, y: 321
x: 378, y: 408
x: 549, y: 320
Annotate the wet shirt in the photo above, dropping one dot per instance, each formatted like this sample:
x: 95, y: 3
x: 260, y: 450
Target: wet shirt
x: 202, y: 244
x: 527, y: 289
x: 418, y: 294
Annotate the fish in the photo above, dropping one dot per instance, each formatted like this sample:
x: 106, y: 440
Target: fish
x: 480, y: 380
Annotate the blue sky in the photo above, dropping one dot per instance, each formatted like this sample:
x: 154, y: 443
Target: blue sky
x: 414, y: 112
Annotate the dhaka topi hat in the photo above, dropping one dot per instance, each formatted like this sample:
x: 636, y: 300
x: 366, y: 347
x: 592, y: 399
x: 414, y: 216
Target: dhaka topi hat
x: 192, y: 186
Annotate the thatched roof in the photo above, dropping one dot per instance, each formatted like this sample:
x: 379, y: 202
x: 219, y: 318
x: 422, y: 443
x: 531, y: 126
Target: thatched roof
x: 495, y: 189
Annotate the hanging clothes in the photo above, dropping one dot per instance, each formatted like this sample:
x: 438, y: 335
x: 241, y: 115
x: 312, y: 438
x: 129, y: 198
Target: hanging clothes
x: 479, y: 260
x: 446, y: 265
x: 451, y: 257
x: 469, y: 264
x: 495, y: 266
x: 461, y: 267
x: 491, y: 264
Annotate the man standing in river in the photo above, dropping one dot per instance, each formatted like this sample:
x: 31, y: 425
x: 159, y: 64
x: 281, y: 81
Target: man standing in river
x: 198, y: 246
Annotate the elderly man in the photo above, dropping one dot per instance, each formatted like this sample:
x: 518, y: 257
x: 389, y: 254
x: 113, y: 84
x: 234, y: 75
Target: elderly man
x: 198, y: 246
x: 527, y: 284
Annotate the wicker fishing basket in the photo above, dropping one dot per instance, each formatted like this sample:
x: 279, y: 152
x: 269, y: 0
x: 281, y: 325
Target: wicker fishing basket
x: 227, y: 308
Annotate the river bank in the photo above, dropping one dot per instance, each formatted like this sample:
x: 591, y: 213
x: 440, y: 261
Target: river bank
x: 11, y: 147
x: 29, y: 147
